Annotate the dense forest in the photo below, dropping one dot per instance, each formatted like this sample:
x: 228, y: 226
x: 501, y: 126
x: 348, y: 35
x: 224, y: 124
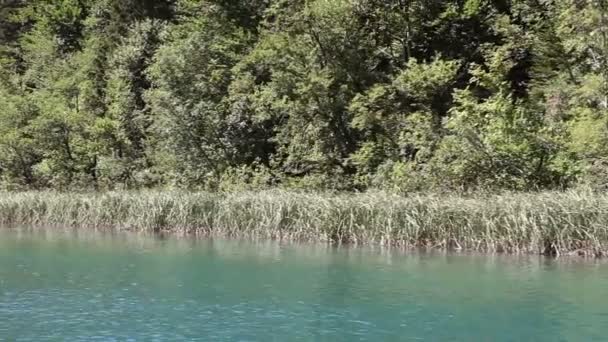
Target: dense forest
x: 401, y: 95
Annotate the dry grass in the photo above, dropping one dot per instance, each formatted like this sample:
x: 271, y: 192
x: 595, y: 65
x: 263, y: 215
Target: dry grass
x: 555, y: 223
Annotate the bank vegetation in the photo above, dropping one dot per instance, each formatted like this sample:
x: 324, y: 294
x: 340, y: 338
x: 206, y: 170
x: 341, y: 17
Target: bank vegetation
x: 551, y: 223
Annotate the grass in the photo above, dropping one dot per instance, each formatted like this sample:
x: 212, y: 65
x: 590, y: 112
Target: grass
x: 556, y: 223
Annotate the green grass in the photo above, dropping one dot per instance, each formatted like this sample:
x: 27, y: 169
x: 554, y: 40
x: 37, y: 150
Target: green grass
x: 556, y: 223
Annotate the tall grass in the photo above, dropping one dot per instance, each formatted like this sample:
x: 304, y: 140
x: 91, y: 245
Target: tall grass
x: 550, y: 223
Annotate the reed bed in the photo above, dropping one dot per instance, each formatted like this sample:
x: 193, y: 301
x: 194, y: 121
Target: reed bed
x: 556, y: 223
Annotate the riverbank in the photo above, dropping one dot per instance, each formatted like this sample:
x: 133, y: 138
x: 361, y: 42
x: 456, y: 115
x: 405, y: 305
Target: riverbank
x: 555, y: 223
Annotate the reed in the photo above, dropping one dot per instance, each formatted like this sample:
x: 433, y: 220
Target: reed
x: 555, y: 223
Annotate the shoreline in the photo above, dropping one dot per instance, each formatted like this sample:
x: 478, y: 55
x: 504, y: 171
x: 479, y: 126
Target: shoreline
x: 547, y: 223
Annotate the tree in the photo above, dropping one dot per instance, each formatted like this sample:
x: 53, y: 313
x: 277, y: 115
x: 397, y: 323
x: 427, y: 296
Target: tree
x: 191, y: 74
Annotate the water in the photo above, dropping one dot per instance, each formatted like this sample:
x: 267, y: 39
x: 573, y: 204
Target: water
x: 94, y: 287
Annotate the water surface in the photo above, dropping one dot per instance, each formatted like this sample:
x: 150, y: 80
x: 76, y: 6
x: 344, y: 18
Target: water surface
x: 87, y: 286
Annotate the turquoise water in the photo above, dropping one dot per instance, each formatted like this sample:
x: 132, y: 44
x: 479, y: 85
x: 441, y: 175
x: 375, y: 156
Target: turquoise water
x: 57, y: 286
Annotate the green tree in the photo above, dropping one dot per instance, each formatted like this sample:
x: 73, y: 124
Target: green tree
x: 191, y: 74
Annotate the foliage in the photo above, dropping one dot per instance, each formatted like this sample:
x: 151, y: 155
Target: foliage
x: 334, y: 95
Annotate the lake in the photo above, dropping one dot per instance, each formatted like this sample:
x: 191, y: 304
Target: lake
x: 89, y: 286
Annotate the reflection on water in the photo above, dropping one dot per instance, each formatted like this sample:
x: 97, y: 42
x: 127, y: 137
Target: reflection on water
x: 87, y: 285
